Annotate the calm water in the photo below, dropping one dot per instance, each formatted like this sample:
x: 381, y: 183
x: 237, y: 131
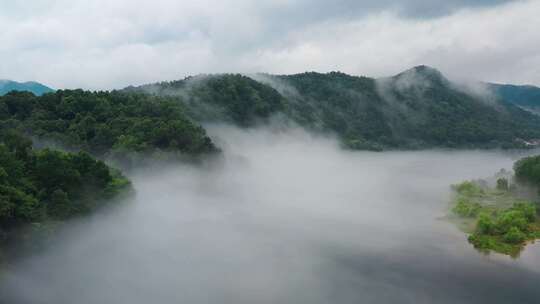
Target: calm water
x: 284, y: 218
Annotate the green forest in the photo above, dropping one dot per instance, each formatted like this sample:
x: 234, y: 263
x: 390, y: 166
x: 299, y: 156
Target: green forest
x: 503, y: 218
x: 229, y: 98
x: 400, y: 113
x: 41, y: 185
x: 416, y: 109
x: 40, y: 188
x: 105, y: 124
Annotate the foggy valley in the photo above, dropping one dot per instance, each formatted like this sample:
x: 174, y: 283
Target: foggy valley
x: 269, y: 152
x: 282, y: 217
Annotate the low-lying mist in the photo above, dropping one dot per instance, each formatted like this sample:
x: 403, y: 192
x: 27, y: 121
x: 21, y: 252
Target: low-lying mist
x: 283, y: 217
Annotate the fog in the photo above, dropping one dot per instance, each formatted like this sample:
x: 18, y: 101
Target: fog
x: 282, y: 217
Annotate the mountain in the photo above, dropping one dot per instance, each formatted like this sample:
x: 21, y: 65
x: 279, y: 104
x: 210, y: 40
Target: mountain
x: 30, y: 86
x: 227, y: 98
x: 526, y: 96
x: 418, y: 108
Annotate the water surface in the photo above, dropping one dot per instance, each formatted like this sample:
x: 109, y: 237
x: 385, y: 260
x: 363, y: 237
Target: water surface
x: 284, y: 218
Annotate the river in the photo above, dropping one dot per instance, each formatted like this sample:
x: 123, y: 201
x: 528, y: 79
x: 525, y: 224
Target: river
x: 284, y: 217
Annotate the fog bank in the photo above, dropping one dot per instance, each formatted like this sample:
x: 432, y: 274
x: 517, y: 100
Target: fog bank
x: 284, y: 217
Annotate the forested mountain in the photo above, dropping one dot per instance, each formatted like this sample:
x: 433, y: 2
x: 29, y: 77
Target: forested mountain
x: 30, y: 86
x: 526, y: 96
x: 415, y: 109
x: 418, y: 108
x: 226, y: 98
x: 40, y: 188
x: 106, y: 124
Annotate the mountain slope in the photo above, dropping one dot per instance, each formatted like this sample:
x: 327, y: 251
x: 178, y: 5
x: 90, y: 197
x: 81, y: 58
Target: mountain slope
x: 30, y: 86
x: 418, y: 108
x: 523, y: 95
x: 228, y: 97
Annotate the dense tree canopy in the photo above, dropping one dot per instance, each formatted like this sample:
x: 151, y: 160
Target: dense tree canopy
x: 418, y: 108
x: 105, y: 123
x: 39, y: 186
x: 222, y: 98
x: 528, y: 169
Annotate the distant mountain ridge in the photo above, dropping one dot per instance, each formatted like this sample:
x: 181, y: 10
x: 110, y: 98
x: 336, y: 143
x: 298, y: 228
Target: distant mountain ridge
x: 37, y: 88
x: 418, y: 108
x: 526, y: 96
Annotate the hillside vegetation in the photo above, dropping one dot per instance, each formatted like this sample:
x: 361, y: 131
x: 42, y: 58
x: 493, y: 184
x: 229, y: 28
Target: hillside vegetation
x: 501, y: 218
x: 418, y: 108
x: 225, y: 98
x: 40, y: 188
x: 105, y: 124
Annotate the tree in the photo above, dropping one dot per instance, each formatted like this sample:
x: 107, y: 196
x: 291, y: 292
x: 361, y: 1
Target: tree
x: 59, y: 206
x: 485, y: 224
x: 502, y: 184
x: 514, y: 236
x: 528, y: 169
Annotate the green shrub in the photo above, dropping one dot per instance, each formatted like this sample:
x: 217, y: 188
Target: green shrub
x: 465, y: 208
x: 514, y: 236
x: 510, y: 218
x: 469, y: 188
x: 485, y: 225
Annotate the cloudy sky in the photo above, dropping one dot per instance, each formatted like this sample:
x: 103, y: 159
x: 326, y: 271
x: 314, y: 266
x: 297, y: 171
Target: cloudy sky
x: 103, y: 44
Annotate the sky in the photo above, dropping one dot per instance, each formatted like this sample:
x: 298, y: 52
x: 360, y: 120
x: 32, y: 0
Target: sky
x: 107, y: 44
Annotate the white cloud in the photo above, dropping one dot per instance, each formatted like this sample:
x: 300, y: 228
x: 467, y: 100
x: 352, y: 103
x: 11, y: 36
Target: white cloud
x: 498, y: 44
x: 110, y: 44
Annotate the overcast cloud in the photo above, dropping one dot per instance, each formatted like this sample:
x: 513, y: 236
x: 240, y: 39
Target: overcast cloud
x: 105, y: 44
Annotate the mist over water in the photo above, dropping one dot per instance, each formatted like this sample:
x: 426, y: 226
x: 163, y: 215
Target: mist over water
x: 284, y: 217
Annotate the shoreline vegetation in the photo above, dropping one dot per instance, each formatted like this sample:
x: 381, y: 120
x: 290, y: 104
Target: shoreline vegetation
x: 59, y: 154
x: 500, y: 214
x: 40, y: 189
